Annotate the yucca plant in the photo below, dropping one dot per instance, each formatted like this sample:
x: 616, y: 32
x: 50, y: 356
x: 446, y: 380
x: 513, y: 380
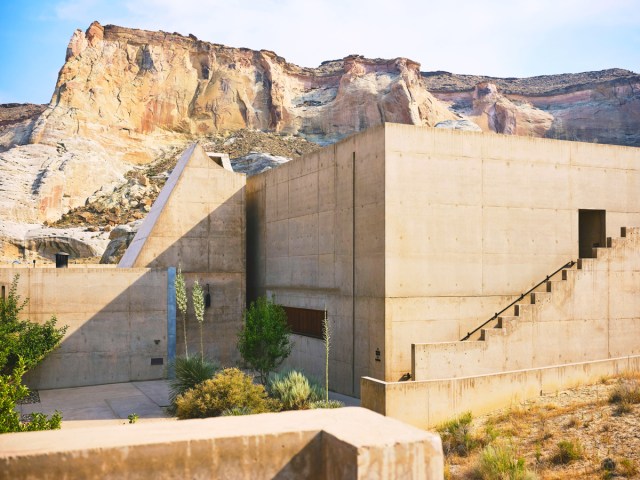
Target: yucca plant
x: 181, y: 303
x: 198, y: 307
x: 190, y: 372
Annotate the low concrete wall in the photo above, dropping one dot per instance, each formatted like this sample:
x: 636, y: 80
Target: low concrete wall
x: 117, y: 321
x: 346, y: 443
x: 427, y: 403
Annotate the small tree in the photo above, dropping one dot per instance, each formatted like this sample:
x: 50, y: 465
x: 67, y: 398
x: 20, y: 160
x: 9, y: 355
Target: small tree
x: 198, y: 307
x: 264, y: 340
x: 181, y: 302
x: 23, y: 345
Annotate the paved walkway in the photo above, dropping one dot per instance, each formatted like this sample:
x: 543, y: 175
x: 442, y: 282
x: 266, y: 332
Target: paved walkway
x: 112, y: 404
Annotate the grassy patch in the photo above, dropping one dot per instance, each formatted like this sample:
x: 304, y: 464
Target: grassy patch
x: 568, y: 451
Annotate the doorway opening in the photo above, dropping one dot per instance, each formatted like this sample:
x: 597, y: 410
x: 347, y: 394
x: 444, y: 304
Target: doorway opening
x: 592, y: 231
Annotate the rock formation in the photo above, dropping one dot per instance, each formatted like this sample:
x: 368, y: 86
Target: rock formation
x: 601, y: 107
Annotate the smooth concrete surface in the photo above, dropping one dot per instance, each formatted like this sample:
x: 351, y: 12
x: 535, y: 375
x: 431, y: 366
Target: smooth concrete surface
x: 426, y: 404
x: 345, y: 443
x: 416, y: 235
x: 108, y: 404
x: 591, y: 312
x: 316, y: 238
x: 116, y: 318
x: 197, y: 224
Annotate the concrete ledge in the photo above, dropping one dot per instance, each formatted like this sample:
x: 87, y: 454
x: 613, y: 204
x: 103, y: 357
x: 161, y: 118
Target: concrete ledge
x: 427, y: 403
x: 346, y: 443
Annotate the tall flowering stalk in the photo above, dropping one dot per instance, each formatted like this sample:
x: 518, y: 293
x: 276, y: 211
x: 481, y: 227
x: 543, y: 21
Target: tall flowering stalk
x: 326, y: 335
x: 181, y: 301
x: 198, y: 307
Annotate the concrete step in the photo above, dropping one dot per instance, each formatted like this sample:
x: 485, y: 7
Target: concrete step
x: 539, y: 297
x: 506, y: 321
x: 523, y: 310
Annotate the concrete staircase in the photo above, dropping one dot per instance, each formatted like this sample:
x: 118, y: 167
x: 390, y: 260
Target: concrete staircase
x: 586, y: 312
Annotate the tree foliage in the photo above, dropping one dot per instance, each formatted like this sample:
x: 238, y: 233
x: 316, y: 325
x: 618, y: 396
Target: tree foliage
x: 23, y: 345
x: 22, y: 338
x: 264, y: 341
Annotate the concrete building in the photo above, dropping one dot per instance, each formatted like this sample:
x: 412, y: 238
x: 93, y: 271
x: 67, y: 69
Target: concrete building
x: 409, y: 237
x: 412, y: 235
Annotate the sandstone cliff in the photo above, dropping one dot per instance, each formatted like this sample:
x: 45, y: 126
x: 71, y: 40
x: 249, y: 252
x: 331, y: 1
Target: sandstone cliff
x: 601, y: 107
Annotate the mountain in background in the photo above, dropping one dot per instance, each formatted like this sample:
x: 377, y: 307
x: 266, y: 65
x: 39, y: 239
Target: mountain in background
x: 127, y: 101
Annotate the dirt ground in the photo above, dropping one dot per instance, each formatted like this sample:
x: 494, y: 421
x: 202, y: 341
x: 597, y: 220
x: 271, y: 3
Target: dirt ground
x: 607, y: 433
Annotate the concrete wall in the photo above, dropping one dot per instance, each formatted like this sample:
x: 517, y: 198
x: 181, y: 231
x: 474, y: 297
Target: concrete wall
x: 473, y: 220
x: 428, y: 403
x: 307, y: 222
x: 198, y: 224
x: 117, y: 321
x: 317, y: 444
x: 591, y: 315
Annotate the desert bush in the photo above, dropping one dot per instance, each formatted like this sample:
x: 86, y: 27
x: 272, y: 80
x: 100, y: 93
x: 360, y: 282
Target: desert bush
x: 326, y: 404
x: 625, y: 392
x: 568, y: 451
x: 457, y: 437
x: 500, y: 461
x: 189, y: 372
x: 627, y: 468
x: 228, y: 390
x: 294, y: 391
x: 264, y: 340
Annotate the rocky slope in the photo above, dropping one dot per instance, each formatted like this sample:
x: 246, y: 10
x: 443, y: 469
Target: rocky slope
x: 601, y: 107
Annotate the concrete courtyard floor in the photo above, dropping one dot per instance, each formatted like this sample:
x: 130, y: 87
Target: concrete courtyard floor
x: 111, y: 404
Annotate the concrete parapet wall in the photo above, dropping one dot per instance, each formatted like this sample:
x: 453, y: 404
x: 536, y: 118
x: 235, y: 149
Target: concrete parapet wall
x: 592, y: 313
x: 428, y: 403
x: 116, y: 318
x: 347, y: 443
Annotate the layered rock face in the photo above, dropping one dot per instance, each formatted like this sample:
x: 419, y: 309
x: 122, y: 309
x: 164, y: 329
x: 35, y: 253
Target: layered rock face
x: 129, y: 88
x: 601, y: 107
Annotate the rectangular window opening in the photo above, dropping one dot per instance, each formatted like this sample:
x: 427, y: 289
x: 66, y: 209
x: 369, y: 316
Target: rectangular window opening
x: 304, y: 321
x: 592, y: 231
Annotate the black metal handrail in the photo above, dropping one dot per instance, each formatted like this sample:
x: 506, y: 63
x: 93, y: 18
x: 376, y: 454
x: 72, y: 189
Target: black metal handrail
x: 520, y: 298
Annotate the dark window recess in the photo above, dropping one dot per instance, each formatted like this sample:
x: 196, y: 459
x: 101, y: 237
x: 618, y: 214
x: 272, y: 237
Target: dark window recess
x: 304, y: 321
x: 157, y: 361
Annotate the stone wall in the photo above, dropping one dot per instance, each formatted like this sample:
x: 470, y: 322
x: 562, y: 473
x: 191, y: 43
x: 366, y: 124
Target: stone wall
x: 117, y: 321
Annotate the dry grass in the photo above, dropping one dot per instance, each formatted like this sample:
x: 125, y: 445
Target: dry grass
x: 577, y: 434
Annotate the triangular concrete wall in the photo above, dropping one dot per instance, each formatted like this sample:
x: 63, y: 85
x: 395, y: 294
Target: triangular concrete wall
x: 197, y: 222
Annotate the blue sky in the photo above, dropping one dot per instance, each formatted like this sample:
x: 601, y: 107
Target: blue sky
x: 513, y: 38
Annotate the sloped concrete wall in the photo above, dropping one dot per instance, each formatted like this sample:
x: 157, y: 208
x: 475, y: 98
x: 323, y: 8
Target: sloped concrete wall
x: 346, y: 443
x: 198, y: 224
x: 117, y: 321
x: 592, y: 315
x: 473, y: 220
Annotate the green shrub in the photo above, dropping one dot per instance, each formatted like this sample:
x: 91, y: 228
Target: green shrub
x: 567, y: 451
x: 22, y: 338
x: 11, y: 392
x: 229, y: 389
x: 326, y: 404
x: 189, y: 372
x: 457, y: 437
x: 501, y: 462
x: 294, y: 391
x: 23, y: 345
x: 264, y: 340
x: 236, y: 412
